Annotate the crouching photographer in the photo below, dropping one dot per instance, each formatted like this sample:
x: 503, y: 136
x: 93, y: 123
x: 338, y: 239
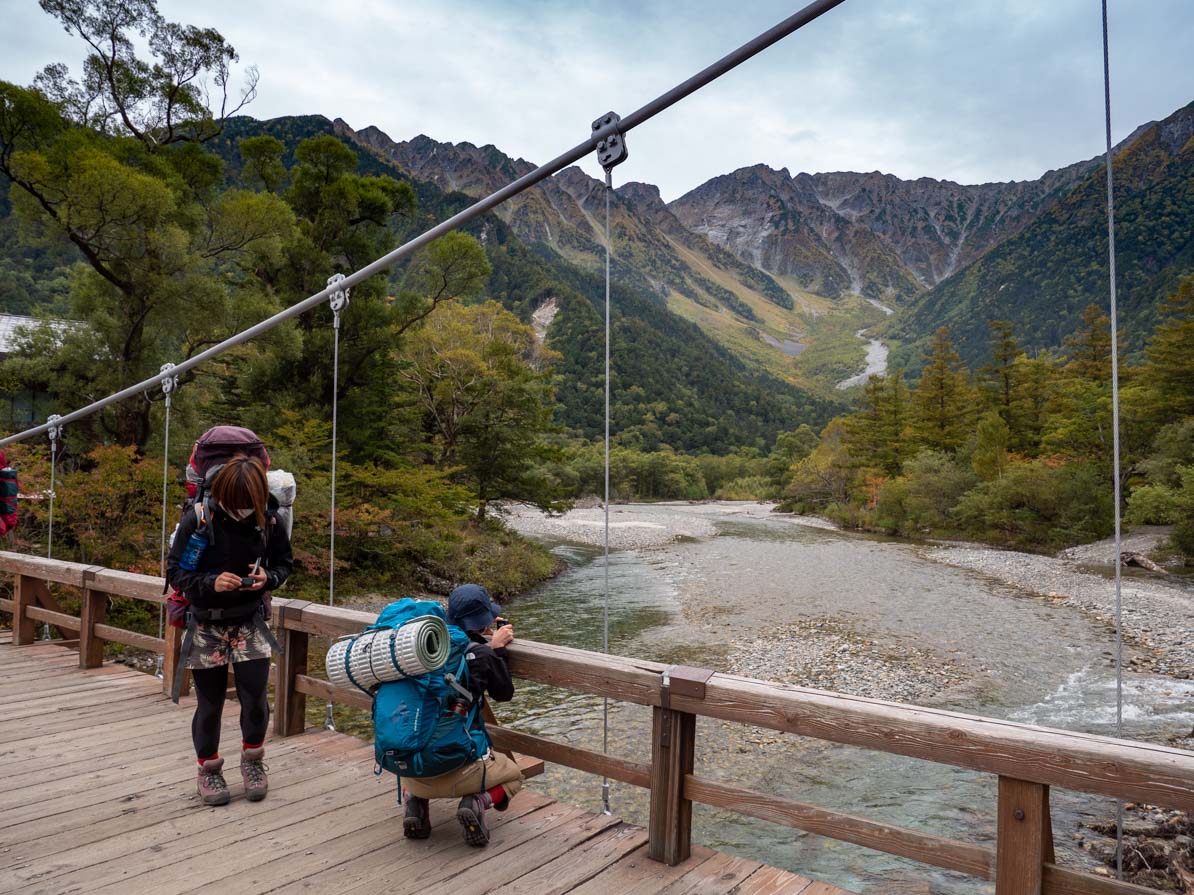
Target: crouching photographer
x: 494, y: 779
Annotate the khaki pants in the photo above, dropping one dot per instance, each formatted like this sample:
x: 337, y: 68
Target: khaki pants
x: 467, y: 780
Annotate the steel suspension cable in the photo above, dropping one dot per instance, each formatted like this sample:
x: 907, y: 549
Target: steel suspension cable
x: 1116, y: 486
x: 605, y: 602
x: 641, y: 115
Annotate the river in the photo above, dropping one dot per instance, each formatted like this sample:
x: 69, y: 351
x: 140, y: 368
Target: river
x: 764, y: 596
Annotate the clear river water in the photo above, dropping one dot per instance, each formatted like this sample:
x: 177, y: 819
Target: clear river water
x: 702, y: 601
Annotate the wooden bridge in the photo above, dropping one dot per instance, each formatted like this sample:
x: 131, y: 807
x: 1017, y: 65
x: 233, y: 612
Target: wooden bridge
x: 98, y: 791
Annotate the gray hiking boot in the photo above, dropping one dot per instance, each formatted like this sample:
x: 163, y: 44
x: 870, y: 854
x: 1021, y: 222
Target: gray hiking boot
x: 416, y: 823
x: 252, y: 771
x: 212, y: 788
x: 470, y: 814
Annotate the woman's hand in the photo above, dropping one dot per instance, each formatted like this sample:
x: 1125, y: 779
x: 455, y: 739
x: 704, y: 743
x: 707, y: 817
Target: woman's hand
x: 227, y: 581
x: 259, y: 577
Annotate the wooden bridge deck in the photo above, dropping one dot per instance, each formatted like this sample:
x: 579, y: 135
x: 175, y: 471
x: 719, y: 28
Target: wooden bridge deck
x: 97, y: 795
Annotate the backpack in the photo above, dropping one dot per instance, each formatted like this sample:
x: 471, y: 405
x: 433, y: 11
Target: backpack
x: 429, y: 724
x: 214, y: 448
x: 9, y: 488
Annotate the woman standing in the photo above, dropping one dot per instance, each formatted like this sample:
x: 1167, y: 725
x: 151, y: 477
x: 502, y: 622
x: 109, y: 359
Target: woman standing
x: 228, y: 555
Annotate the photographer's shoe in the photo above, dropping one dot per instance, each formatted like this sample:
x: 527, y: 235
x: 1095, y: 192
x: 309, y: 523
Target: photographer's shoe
x: 212, y: 788
x: 470, y: 814
x: 252, y: 772
x: 416, y: 823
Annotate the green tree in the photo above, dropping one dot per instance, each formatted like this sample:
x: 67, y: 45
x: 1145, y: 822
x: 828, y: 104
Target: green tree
x: 113, y: 166
x: 483, y: 383
x: 790, y: 448
x: 876, y: 432
x: 1169, y: 370
x: 943, y: 402
x: 990, y: 450
x: 1090, y: 347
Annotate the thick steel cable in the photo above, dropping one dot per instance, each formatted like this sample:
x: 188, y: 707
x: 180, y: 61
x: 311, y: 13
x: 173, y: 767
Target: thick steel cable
x: 1116, y: 487
x: 609, y: 185
x: 646, y: 112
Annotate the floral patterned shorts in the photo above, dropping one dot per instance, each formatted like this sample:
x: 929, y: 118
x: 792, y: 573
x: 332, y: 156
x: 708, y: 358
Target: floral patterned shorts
x: 217, y: 645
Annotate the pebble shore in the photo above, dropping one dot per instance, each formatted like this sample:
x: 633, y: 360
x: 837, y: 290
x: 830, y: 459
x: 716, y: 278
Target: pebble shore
x: 1158, y: 612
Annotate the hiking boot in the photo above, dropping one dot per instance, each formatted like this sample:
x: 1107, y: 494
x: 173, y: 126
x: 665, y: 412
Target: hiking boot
x: 470, y: 814
x: 252, y: 772
x: 212, y: 788
x: 416, y: 823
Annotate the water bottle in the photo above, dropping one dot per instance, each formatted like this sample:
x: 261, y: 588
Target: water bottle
x: 191, y: 553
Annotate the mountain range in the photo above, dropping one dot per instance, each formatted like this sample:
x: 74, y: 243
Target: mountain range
x: 769, y: 263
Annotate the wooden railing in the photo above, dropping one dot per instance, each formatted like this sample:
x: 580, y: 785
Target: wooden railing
x: 1027, y: 760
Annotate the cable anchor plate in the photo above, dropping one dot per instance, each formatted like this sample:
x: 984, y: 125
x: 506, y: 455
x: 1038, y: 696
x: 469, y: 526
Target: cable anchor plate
x: 339, y: 298
x: 611, y: 144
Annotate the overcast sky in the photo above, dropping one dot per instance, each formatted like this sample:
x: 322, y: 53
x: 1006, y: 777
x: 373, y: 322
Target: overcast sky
x: 965, y: 90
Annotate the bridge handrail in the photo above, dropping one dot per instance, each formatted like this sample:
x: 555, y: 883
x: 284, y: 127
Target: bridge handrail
x: 1027, y: 759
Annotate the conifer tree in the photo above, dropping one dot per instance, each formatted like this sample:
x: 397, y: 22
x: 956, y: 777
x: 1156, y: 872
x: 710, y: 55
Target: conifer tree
x: 1169, y: 371
x: 943, y: 402
x: 999, y: 376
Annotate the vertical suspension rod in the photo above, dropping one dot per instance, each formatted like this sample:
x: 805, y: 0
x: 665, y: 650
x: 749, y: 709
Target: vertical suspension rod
x: 1116, y: 486
x: 605, y: 602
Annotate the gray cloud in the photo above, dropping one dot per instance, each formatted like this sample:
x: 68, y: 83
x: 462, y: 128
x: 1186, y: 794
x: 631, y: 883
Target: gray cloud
x: 971, y: 92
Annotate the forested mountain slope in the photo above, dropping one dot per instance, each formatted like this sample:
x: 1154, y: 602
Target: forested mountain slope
x: 1041, y: 278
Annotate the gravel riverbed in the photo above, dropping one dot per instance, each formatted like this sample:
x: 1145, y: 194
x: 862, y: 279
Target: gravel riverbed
x: 1158, y: 612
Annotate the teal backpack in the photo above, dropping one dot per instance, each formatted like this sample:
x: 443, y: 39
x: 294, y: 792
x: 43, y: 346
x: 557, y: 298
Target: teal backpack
x: 429, y: 724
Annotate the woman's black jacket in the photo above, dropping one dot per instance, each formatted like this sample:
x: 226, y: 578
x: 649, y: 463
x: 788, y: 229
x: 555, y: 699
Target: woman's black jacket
x: 233, y: 546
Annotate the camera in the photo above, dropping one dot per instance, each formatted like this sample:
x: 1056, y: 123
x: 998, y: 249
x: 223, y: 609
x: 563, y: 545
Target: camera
x: 499, y: 622
x: 247, y: 582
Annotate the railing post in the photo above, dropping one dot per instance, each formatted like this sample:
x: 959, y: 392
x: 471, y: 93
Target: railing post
x: 673, y: 741
x: 1025, y: 841
x: 171, y: 662
x: 24, y: 594
x: 93, y: 610
x: 290, y: 706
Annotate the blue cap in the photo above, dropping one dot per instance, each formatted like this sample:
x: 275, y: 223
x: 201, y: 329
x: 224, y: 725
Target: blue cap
x: 470, y: 608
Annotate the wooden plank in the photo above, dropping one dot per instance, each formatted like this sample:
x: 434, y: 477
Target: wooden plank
x: 25, y: 593
x: 56, y: 570
x: 290, y: 704
x: 94, y: 611
x: 621, y: 769
x: 131, y: 638
x: 149, y: 588
x: 673, y: 737
x: 638, y: 874
x: 61, y: 620
x: 321, y: 689
x: 1020, y: 848
x: 378, y: 848
x: 571, y: 829
x: 172, y: 663
x: 52, y: 710
x: 319, y: 753
x: 1066, y: 881
x: 1140, y: 772
x: 458, y: 857
x: 947, y: 853
x: 773, y: 881
x: 579, y: 865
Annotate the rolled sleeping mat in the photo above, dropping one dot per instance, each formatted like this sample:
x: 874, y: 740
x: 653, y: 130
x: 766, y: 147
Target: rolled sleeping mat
x: 367, y: 660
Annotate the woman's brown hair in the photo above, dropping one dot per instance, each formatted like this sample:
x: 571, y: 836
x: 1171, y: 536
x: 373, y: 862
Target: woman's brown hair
x: 242, y: 484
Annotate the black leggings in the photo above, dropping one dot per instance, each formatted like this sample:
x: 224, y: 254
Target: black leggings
x: 211, y: 686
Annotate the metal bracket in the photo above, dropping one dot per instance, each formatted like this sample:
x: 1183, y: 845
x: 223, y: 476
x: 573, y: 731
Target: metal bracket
x: 169, y: 382
x: 611, y: 145
x: 55, y: 430
x: 665, y: 703
x: 338, y: 299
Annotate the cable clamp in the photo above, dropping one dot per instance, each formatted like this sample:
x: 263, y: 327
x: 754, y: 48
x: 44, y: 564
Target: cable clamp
x: 169, y: 381
x: 611, y: 145
x: 54, y: 430
x: 339, y: 298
